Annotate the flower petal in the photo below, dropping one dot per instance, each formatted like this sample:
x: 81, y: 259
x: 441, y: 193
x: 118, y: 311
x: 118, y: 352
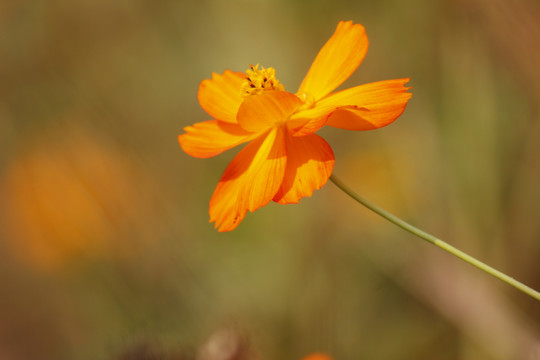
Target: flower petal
x: 336, y: 61
x: 310, y: 161
x: 250, y: 181
x: 368, y: 106
x: 221, y: 96
x: 260, y: 112
x: 363, y: 107
x: 304, y: 123
x: 210, y: 138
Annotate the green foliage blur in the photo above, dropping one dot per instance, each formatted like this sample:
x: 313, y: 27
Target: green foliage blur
x: 105, y: 247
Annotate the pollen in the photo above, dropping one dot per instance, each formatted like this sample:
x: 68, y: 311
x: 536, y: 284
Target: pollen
x: 259, y: 80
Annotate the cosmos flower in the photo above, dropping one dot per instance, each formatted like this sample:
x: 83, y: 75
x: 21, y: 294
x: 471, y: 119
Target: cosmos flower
x: 284, y: 159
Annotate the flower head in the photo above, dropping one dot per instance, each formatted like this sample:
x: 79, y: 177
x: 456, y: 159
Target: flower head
x: 285, y: 160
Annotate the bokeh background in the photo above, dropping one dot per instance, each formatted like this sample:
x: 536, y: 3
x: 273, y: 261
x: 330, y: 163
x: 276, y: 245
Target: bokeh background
x: 105, y: 247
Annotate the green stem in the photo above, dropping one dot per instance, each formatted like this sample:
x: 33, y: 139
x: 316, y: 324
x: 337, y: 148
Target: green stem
x: 435, y: 241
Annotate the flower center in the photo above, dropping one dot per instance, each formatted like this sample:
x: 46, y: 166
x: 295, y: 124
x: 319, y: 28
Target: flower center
x: 259, y: 80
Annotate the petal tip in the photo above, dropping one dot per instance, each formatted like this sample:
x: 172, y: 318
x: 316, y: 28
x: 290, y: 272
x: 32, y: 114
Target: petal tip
x: 226, y: 224
x: 328, y: 71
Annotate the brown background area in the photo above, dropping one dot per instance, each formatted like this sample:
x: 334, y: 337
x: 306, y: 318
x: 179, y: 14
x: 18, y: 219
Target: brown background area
x: 105, y: 249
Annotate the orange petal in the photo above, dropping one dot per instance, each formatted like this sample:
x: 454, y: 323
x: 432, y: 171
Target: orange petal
x: 363, y: 107
x: 210, y: 138
x: 270, y: 108
x: 250, y: 181
x: 221, y: 96
x: 304, y: 122
x: 336, y: 61
x: 368, y: 106
x: 310, y: 161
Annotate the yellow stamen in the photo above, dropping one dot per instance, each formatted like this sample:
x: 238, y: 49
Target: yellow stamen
x: 259, y: 80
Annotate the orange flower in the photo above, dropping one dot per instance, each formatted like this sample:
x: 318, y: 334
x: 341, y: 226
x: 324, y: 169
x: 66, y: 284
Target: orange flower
x: 317, y: 356
x: 73, y: 199
x: 285, y: 160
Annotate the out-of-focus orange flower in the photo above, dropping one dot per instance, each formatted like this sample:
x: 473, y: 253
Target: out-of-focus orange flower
x: 317, y: 357
x: 285, y: 160
x: 71, y: 198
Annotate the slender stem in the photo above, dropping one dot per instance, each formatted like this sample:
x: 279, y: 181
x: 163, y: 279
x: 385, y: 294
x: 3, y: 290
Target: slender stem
x: 435, y: 241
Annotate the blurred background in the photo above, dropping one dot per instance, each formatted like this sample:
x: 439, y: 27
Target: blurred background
x: 105, y: 247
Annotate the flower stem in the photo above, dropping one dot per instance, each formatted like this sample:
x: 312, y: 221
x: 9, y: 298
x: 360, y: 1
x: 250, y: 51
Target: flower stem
x: 435, y: 241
